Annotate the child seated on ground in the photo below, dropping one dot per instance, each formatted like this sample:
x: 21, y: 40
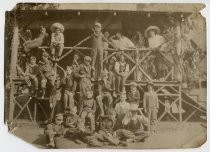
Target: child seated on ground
x: 55, y: 129
x: 57, y: 40
x: 88, y: 109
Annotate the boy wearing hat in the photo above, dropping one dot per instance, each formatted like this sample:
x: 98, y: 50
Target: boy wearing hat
x: 47, y: 72
x: 32, y: 70
x: 97, y: 50
x: 151, y: 106
x: 55, y: 129
x: 70, y: 87
x: 133, y: 95
x: 105, y: 91
x: 57, y: 40
x: 88, y: 109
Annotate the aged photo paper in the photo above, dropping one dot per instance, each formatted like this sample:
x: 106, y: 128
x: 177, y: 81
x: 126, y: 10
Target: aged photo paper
x: 125, y: 76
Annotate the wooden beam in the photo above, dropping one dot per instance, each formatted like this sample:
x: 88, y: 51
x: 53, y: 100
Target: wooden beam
x: 180, y: 104
x: 13, y: 72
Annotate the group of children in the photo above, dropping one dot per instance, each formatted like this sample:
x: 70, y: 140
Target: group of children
x: 124, y: 120
x: 130, y: 120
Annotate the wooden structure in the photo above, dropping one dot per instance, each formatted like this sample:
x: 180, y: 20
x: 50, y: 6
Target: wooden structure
x: 168, y: 87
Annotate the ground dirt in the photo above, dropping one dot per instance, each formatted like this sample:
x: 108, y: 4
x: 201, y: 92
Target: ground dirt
x: 168, y: 135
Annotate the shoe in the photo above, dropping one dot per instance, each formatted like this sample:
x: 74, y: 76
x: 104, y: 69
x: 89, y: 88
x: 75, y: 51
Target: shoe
x: 51, y: 145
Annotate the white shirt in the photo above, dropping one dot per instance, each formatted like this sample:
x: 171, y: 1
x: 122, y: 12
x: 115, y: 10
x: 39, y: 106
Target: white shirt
x: 118, y: 64
x: 122, y: 108
x: 155, y: 41
x: 123, y: 43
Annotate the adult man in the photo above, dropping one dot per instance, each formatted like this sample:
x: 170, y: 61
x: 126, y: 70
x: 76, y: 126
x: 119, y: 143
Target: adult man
x: 151, y: 106
x: 121, y: 42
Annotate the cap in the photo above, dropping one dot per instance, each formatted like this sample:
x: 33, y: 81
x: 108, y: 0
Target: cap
x: 45, y: 54
x: 87, y: 58
x: 59, y: 116
x: 32, y: 58
x: 133, y: 84
x: 98, y: 24
x: 150, y: 83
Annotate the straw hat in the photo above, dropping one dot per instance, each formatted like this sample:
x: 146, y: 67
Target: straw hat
x: 155, y: 28
x: 55, y: 26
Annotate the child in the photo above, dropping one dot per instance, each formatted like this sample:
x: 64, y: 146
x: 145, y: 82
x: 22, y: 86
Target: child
x: 97, y: 51
x: 157, y: 42
x: 151, y: 106
x: 88, y: 110
x: 32, y: 70
x: 70, y: 87
x: 105, y: 91
x: 57, y: 40
x: 121, y: 108
x: 84, y: 74
x: 55, y: 129
x: 154, y: 39
x: 72, y: 118
x: 135, y: 126
x: 133, y: 96
x: 47, y: 72
x: 75, y: 63
x: 121, y: 70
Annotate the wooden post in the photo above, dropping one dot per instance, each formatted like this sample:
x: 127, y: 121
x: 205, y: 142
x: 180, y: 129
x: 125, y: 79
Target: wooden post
x: 180, y: 103
x: 13, y: 72
x: 137, y: 63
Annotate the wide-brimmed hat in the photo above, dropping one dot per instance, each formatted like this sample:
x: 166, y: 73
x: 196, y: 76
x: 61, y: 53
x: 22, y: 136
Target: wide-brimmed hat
x: 55, y: 26
x: 155, y: 28
x: 150, y: 83
x: 133, y: 84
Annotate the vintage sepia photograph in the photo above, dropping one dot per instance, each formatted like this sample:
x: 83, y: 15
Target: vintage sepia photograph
x: 106, y: 75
